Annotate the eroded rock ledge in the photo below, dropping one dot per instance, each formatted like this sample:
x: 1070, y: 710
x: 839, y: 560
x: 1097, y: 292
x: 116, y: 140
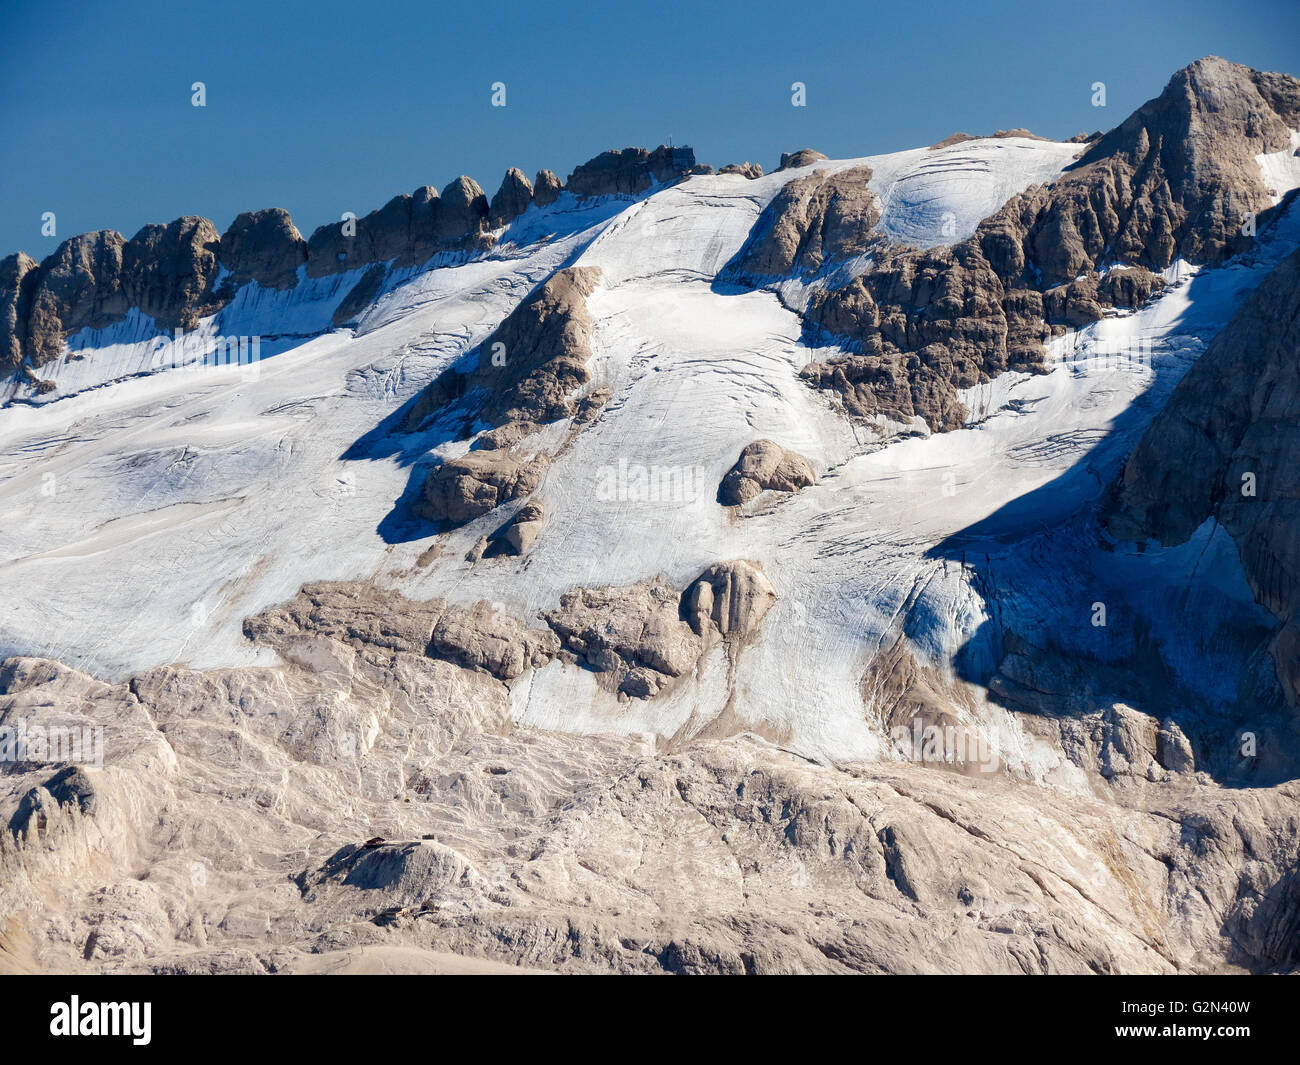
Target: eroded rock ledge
x: 638, y: 638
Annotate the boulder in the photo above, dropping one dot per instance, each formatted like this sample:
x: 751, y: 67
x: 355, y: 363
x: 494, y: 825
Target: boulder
x: 764, y: 466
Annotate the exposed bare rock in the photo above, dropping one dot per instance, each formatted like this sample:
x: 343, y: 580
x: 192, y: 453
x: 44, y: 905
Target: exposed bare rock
x: 615, y: 630
x: 1174, y: 180
x: 961, y: 138
x: 407, y: 229
x: 527, y: 375
x: 732, y: 597
x: 371, y: 620
x: 537, y: 357
x: 745, y: 169
x: 354, y: 613
x: 511, y: 200
x: 462, y: 489
x: 1225, y: 447
x: 482, y: 637
x: 462, y: 213
x: 78, y: 286
x: 764, y: 466
x: 546, y: 188
x: 168, y: 272
x: 523, y: 529
x: 813, y: 220
x: 263, y: 246
x: 248, y: 820
x: 629, y: 172
x: 644, y: 636
x: 1087, y: 298
x: 18, y: 278
x: 546, y: 342
x: 803, y: 157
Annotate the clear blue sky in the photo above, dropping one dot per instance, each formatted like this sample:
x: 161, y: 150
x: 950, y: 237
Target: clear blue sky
x: 325, y: 107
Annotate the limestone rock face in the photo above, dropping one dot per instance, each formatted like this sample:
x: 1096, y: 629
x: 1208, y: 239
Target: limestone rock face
x: 732, y: 597
x: 527, y: 374
x: 407, y: 229
x: 462, y: 213
x: 410, y: 815
x: 524, y: 528
x: 372, y: 620
x: 803, y: 157
x: 1174, y: 180
x: 645, y: 636
x: 1225, y: 447
x: 263, y: 246
x: 546, y: 188
x: 468, y: 487
x: 812, y: 221
x: 545, y: 345
x: 745, y: 169
x: 361, y: 295
x: 168, y: 271
x: 79, y: 285
x: 17, y: 279
x: 764, y: 466
x: 629, y: 172
x: 511, y: 199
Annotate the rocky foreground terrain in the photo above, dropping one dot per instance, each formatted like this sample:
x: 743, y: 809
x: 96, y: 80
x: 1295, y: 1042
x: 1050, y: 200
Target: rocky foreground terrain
x: 885, y: 565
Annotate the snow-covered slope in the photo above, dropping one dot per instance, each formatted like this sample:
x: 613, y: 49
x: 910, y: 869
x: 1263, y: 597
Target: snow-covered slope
x: 148, y: 513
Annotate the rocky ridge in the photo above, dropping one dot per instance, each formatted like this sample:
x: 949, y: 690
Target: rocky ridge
x: 185, y: 270
x: 1176, y: 180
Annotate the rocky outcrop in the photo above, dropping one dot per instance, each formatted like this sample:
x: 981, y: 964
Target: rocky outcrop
x: 361, y: 295
x: 408, y: 230
x: 764, y: 466
x: 812, y: 221
x: 544, y: 347
x: 528, y: 373
x: 355, y: 804
x: 17, y: 277
x: 78, y: 286
x: 641, y: 638
x: 378, y: 622
x: 1224, y: 447
x: 1174, y: 180
x: 962, y: 138
x: 511, y: 200
x: 745, y: 170
x: 168, y: 272
x: 629, y: 172
x: 522, y: 531
x: 795, y: 160
x: 92, y: 280
x: 263, y: 246
x: 462, y: 489
x: 546, y: 188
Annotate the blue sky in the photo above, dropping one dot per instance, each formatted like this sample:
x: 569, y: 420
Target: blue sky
x: 325, y: 107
